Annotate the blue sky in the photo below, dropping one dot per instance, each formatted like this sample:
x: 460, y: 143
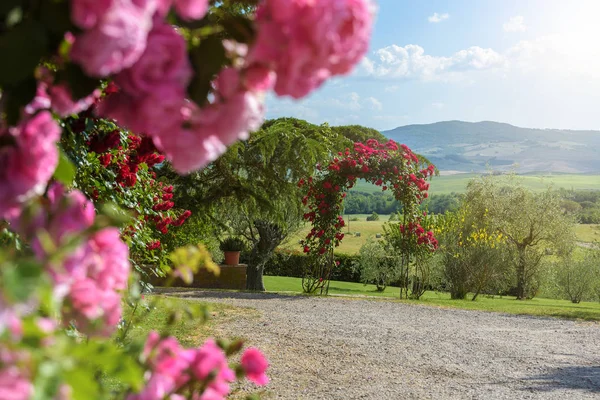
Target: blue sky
x: 530, y: 63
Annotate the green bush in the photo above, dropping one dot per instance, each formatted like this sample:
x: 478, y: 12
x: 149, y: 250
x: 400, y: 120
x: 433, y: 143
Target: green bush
x: 577, y: 278
x: 375, y: 266
x: 373, y: 217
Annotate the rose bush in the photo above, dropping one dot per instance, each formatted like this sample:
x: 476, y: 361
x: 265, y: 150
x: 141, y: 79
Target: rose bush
x: 175, y: 76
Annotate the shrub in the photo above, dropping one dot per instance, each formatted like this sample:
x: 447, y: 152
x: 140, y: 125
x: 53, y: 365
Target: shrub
x: 577, y: 278
x: 293, y: 263
x: 373, y: 217
x: 375, y: 266
x: 352, y: 219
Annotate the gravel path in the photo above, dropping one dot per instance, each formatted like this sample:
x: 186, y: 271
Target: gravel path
x: 339, y: 348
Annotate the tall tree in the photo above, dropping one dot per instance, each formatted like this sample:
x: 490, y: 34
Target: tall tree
x: 532, y: 223
x: 257, y: 180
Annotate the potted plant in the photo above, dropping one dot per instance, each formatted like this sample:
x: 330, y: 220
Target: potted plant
x: 232, y: 247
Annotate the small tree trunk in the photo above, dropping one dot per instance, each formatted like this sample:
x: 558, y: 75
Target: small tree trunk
x: 521, y: 294
x: 254, y: 277
x: 270, y: 235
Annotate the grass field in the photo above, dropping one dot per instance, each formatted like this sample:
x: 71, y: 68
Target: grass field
x: 352, y: 243
x: 538, y: 306
x: 195, y: 320
x: 588, y: 233
x: 458, y: 183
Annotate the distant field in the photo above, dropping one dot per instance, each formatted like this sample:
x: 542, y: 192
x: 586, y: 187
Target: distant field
x: 588, y: 233
x: 458, y: 183
x: 352, y: 243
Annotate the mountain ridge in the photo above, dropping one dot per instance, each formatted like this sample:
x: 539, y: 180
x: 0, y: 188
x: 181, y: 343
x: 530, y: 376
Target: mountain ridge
x: 477, y: 146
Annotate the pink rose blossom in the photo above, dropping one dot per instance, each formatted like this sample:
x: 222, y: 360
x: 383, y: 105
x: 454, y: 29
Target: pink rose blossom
x: 307, y: 41
x: 191, y: 9
x: 94, y: 274
x: 155, y: 113
x: 118, y: 39
x: 210, y: 130
x: 186, y: 9
x: 28, y: 158
x: 255, y: 365
x: 164, y: 62
x: 86, y: 13
x: 14, y: 385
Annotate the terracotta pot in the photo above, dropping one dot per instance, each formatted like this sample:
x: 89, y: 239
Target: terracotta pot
x: 232, y: 257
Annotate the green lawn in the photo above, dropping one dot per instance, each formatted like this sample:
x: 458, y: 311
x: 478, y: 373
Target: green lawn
x: 538, y: 306
x: 458, y: 183
x: 190, y: 321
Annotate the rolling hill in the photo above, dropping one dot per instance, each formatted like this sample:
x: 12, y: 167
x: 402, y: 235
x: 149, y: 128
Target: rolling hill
x: 473, y: 146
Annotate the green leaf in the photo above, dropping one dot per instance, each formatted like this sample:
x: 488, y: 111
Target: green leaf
x: 6, y: 6
x: 19, y: 281
x: 81, y: 85
x: 65, y: 171
x: 239, y: 28
x: 47, y: 381
x: 207, y: 60
x: 21, y: 49
x: 56, y: 16
x: 18, y: 96
x: 82, y: 383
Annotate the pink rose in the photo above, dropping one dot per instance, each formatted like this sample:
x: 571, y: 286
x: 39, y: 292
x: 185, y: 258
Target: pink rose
x: 307, y: 41
x: 164, y: 62
x: 255, y: 365
x: 117, y: 41
x: 28, y: 158
x: 71, y: 213
x: 93, y: 276
x: 204, y: 133
x: 86, y: 13
x: 14, y: 385
x: 155, y: 113
x: 211, y: 129
x: 186, y: 9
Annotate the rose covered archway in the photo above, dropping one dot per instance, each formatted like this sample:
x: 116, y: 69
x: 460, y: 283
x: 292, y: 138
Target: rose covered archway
x: 389, y: 165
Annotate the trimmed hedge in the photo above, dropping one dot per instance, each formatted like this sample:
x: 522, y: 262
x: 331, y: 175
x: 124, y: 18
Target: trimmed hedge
x: 293, y: 263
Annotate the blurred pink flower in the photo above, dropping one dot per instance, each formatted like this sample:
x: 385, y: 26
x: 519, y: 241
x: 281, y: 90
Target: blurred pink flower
x: 63, y: 103
x: 164, y: 62
x: 307, y: 41
x: 117, y: 40
x: 255, y: 365
x: 28, y: 158
x: 14, y: 385
x: 86, y: 13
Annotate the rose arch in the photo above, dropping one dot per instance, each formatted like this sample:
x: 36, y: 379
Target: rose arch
x: 389, y: 165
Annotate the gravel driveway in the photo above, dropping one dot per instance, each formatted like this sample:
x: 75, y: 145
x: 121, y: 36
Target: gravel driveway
x: 339, y: 348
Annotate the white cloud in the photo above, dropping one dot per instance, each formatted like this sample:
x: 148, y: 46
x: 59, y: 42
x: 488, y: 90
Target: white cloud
x: 411, y: 62
x: 435, y: 18
x: 437, y: 105
x: 373, y: 103
x: 515, y: 24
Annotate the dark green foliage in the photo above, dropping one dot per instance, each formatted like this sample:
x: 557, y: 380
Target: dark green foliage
x: 373, y: 217
x: 584, y: 204
x: 358, y: 202
x: 293, y: 264
x: 357, y: 133
x: 232, y: 244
